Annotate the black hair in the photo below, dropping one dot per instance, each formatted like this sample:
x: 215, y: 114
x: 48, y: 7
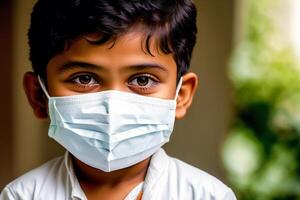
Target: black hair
x: 54, y: 23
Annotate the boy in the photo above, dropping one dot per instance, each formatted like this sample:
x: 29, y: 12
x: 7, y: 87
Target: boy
x: 112, y: 75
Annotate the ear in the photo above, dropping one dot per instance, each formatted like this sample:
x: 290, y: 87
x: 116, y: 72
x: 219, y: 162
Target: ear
x: 35, y: 95
x: 186, y: 94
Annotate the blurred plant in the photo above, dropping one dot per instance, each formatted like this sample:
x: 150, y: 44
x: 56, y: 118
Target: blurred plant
x: 262, y: 152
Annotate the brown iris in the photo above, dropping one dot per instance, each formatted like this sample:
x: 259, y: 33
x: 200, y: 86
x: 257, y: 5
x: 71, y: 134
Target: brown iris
x: 142, y: 81
x: 85, y: 79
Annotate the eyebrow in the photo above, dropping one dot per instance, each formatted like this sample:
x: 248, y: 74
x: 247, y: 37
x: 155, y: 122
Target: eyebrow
x: 143, y: 66
x: 78, y: 64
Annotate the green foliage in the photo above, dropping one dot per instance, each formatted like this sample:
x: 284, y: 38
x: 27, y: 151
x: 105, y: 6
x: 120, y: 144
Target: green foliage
x: 262, y: 152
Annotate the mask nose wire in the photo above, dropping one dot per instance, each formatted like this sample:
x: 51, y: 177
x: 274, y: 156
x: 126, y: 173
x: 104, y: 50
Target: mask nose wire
x: 43, y: 87
x: 178, y: 87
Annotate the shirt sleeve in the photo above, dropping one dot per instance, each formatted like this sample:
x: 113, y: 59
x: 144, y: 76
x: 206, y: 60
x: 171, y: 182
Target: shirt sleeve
x: 229, y: 195
x: 7, y: 194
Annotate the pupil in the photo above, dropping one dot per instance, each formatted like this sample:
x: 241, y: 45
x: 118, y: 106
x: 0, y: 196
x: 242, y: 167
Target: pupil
x: 85, y: 79
x: 142, y: 81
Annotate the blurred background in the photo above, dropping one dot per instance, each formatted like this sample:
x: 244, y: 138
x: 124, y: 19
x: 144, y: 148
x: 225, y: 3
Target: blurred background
x: 261, y: 154
x: 244, y: 124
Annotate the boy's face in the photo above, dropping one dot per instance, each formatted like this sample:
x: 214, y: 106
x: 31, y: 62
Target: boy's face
x: 125, y: 66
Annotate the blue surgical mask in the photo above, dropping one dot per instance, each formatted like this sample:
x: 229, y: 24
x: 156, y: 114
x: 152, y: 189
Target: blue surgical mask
x: 111, y: 130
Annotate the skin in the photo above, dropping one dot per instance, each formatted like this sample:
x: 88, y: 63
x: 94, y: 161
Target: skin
x: 86, y: 68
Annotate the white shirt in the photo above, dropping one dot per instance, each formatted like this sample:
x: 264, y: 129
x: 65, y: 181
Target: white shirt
x: 167, y: 179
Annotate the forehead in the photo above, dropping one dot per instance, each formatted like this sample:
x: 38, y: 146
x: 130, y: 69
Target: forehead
x: 125, y: 49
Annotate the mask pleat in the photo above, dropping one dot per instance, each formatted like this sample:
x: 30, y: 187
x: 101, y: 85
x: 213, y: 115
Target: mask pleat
x: 111, y: 130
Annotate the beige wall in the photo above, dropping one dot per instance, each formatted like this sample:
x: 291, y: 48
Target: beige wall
x: 196, y: 139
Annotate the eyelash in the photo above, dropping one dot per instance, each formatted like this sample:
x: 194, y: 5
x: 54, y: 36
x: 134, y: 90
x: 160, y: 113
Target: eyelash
x: 150, y: 77
x: 80, y: 85
x: 135, y: 88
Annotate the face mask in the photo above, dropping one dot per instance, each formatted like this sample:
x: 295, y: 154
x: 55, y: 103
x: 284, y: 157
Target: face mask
x: 111, y: 130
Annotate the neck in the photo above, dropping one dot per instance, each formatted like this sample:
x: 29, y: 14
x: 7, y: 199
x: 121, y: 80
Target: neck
x: 91, y: 176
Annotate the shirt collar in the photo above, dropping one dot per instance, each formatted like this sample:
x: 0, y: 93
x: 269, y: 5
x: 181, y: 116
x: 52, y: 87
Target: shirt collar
x: 158, y: 165
x: 76, y: 191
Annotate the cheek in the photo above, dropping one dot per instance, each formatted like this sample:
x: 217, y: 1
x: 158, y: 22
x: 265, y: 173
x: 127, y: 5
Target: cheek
x: 168, y: 88
x: 56, y: 87
x: 167, y: 91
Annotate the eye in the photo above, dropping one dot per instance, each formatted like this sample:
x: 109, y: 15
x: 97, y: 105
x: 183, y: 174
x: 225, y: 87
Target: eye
x: 143, y: 83
x: 85, y: 80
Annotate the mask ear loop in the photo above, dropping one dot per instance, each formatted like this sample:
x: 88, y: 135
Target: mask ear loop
x: 43, y: 87
x: 178, y: 87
